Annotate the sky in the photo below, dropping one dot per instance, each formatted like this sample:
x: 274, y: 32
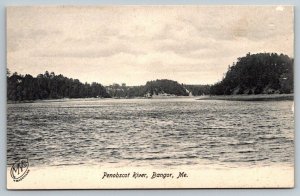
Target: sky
x: 136, y: 44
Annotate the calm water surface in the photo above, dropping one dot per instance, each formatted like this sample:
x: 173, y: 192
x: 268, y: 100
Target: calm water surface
x: 159, y: 132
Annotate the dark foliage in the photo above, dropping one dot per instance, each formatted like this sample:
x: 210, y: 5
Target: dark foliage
x: 152, y: 87
x: 123, y: 91
x: 50, y: 86
x: 198, y: 90
x: 165, y: 86
x: 262, y: 73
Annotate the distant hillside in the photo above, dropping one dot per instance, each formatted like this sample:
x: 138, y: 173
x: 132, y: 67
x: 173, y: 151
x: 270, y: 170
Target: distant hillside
x: 165, y: 87
x: 157, y: 87
x: 262, y: 73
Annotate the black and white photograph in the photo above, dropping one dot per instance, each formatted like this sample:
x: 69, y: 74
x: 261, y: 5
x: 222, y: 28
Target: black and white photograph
x: 150, y: 97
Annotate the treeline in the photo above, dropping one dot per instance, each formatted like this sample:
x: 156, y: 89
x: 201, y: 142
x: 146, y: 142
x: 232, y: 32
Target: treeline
x: 50, y: 86
x: 152, y: 88
x: 262, y: 73
x: 165, y: 86
x: 123, y: 91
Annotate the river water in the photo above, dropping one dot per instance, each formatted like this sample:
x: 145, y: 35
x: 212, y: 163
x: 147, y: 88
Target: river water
x: 157, y: 132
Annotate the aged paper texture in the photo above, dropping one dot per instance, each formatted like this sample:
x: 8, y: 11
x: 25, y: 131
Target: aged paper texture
x: 130, y: 97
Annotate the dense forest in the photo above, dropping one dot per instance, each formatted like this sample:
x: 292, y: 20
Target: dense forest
x: 262, y: 73
x: 152, y: 88
x: 165, y: 87
x: 50, y: 86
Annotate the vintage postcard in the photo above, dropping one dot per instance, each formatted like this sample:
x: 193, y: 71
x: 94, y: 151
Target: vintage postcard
x: 134, y: 97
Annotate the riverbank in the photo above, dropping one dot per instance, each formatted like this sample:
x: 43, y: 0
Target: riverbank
x: 95, y: 99
x: 259, y: 97
x: 54, y: 100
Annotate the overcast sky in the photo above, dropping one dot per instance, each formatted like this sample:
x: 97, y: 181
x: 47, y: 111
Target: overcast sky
x: 133, y: 44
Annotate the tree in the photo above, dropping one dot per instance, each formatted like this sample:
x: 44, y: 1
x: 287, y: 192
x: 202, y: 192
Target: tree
x: 256, y: 74
x: 50, y: 86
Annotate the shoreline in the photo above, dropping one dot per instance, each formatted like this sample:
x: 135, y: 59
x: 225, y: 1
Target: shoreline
x: 95, y: 99
x: 258, y: 97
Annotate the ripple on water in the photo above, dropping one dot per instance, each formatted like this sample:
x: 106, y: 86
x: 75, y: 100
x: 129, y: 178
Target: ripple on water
x: 155, y: 132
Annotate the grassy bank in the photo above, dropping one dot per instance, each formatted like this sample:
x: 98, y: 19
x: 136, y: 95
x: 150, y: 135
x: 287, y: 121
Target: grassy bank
x: 260, y: 97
